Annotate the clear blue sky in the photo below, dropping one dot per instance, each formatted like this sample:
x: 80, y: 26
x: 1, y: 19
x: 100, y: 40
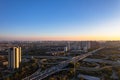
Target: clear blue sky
x: 58, y: 18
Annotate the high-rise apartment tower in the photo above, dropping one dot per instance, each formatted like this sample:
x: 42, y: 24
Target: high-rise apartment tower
x: 14, y: 57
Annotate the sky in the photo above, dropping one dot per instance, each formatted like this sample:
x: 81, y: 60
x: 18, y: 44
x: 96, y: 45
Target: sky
x: 59, y: 19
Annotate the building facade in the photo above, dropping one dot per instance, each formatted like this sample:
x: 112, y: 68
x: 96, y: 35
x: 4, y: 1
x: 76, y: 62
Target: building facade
x: 14, y: 57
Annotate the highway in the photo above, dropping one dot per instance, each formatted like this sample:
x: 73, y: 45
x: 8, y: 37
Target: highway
x: 48, y: 57
x: 43, y: 74
x: 102, y: 61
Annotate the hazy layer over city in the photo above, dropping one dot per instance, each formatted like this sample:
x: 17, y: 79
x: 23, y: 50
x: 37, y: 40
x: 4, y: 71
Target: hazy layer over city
x: 60, y: 20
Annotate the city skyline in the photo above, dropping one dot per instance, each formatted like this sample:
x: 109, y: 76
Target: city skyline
x: 60, y: 20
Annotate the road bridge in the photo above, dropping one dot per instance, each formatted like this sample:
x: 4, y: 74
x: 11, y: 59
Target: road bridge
x: 60, y: 66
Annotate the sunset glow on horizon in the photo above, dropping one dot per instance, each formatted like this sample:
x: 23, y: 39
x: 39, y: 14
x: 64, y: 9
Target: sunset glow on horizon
x: 65, y: 38
x: 60, y: 20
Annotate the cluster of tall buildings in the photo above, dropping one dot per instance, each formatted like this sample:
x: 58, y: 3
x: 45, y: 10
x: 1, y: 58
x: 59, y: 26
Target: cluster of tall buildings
x: 14, y: 57
x: 83, y: 45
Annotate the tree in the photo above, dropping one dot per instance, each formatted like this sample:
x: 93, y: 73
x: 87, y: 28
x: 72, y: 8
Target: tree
x: 17, y: 77
x: 81, y: 78
x: 72, y: 71
x: 52, y: 78
x: 8, y: 78
x: 1, y: 75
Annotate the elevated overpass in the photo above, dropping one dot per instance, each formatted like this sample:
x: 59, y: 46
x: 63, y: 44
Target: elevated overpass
x: 57, y: 68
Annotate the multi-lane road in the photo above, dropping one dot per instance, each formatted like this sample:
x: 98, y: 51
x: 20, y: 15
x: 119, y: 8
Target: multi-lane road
x: 48, y: 57
x: 39, y: 75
